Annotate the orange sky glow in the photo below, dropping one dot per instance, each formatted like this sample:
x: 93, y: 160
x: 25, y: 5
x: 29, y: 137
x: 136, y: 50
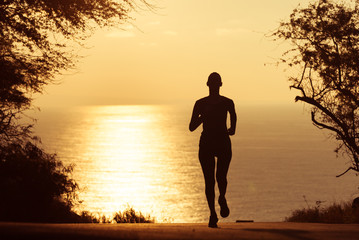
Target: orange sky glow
x: 165, y: 56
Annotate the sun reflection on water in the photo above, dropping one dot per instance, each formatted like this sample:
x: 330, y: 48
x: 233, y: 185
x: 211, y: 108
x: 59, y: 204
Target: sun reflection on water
x: 124, y: 162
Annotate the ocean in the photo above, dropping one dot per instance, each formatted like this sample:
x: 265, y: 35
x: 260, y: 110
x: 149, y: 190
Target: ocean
x: 144, y: 156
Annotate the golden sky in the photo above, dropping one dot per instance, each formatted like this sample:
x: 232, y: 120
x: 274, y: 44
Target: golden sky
x: 167, y: 55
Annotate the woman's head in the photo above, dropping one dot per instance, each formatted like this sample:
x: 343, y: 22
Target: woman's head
x: 214, y: 80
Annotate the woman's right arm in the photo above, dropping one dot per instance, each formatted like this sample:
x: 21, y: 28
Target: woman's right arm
x: 196, y: 118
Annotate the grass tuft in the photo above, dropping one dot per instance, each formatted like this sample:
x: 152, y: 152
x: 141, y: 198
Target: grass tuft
x: 131, y: 216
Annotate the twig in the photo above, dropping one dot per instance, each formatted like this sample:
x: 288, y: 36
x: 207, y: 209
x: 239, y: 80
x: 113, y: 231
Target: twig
x: 350, y: 168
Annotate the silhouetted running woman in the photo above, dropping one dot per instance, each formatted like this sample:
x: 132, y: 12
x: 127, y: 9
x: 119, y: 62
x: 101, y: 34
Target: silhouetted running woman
x: 215, y: 142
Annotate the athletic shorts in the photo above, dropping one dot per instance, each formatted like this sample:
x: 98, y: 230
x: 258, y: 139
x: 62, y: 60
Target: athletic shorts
x: 215, y: 146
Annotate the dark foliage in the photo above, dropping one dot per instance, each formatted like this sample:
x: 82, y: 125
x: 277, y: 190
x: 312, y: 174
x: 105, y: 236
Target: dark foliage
x: 35, y: 186
x: 325, y: 40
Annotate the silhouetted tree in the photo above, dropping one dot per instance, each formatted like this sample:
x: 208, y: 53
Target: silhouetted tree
x: 37, y: 42
x: 36, y: 37
x: 325, y: 36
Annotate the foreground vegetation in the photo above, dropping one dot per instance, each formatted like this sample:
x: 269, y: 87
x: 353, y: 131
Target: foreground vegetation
x: 334, y: 213
x: 36, y: 187
x: 129, y: 215
x: 39, y: 41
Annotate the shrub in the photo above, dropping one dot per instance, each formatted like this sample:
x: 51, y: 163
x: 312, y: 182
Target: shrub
x: 334, y: 213
x: 35, y: 186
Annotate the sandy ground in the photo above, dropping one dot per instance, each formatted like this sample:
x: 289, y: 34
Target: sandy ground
x: 277, y: 231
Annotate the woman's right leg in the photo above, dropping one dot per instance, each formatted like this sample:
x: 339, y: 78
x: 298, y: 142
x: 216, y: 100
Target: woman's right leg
x: 223, y: 161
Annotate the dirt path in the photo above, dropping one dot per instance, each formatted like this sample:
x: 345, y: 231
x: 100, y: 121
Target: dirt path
x: 277, y: 231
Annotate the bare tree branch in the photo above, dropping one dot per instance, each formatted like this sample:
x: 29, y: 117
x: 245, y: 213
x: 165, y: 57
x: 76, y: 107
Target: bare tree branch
x: 325, y: 38
x: 350, y: 168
